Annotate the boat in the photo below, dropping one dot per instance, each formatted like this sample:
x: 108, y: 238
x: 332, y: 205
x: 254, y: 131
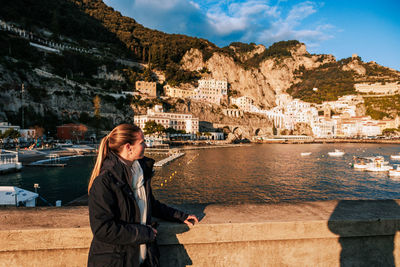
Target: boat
x: 395, y: 157
x: 379, y: 165
x: 362, y: 163
x: 395, y: 172
x: 336, y: 153
x: 305, y: 153
x: 9, y: 161
x: 15, y: 196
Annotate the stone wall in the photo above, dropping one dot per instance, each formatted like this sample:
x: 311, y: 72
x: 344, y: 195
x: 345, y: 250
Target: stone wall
x: 331, y: 233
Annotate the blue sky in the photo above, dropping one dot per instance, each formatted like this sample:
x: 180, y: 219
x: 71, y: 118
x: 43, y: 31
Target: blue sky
x: 368, y: 28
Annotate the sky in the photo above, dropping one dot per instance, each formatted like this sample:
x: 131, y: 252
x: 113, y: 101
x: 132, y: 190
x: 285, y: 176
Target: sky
x: 369, y: 28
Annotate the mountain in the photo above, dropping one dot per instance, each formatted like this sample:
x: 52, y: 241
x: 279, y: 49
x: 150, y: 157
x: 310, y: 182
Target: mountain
x: 104, y: 52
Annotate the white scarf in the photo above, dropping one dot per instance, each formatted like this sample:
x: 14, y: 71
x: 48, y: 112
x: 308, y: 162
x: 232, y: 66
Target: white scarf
x: 140, y: 196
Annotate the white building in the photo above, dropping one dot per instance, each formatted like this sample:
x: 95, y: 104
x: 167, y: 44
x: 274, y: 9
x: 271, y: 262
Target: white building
x: 244, y: 103
x: 378, y: 88
x: 177, y: 121
x: 324, y: 127
x: 27, y: 134
x: 178, y: 92
x: 211, y: 91
x: 298, y: 111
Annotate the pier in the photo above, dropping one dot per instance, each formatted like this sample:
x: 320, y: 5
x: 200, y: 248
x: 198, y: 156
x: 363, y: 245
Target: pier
x: 169, y: 159
x: 52, y: 161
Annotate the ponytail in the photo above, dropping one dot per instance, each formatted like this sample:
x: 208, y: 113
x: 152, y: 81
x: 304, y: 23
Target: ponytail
x: 102, y: 154
x: 119, y: 136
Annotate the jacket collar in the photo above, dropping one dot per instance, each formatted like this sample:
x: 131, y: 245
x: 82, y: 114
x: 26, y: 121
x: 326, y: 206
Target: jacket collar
x: 121, y: 172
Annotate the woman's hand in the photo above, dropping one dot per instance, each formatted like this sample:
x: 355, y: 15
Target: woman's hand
x: 191, y: 220
x: 153, y: 233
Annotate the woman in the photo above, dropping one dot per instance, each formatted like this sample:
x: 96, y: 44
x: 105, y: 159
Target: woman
x: 121, y: 202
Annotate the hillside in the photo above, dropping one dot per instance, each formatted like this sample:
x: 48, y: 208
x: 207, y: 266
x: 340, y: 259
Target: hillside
x: 105, y: 52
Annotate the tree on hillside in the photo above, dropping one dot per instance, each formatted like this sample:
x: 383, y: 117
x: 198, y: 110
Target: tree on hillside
x: 10, y: 133
x: 152, y: 127
x: 97, y: 106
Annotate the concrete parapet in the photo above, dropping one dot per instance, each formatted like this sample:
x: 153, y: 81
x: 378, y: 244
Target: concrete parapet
x: 331, y: 233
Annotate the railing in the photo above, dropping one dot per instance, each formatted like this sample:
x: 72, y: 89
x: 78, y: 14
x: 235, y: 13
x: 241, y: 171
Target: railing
x: 8, y: 157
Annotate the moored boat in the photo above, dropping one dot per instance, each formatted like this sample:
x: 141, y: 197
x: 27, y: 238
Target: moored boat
x: 395, y: 157
x: 305, y: 153
x: 336, y: 153
x: 15, y: 196
x: 395, y: 172
x: 362, y: 163
x: 379, y: 165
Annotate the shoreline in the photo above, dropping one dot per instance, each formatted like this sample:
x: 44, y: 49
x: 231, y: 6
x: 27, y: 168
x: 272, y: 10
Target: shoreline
x: 329, y: 141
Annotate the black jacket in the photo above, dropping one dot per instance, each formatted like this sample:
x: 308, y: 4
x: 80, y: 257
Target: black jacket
x: 115, y: 216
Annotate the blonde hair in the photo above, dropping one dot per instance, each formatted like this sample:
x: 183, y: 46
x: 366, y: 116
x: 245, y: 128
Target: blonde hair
x: 119, y: 136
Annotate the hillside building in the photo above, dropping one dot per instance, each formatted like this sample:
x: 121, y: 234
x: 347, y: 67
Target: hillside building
x: 147, y: 89
x: 178, y: 92
x: 213, y: 91
x: 71, y: 131
x: 177, y: 121
x: 378, y: 88
x: 244, y: 103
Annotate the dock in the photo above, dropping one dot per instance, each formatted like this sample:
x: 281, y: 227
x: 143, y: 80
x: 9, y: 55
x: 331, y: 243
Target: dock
x: 169, y: 159
x: 53, y: 161
x: 48, y: 165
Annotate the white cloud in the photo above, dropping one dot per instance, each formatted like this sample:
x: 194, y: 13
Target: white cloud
x: 226, y: 21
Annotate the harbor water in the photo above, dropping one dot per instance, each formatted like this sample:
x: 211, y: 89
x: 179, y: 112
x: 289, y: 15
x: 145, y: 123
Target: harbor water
x: 250, y: 174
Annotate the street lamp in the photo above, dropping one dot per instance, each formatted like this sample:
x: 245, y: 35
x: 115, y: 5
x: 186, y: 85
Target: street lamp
x: 22, y: 104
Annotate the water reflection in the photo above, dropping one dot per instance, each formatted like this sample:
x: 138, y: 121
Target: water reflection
x: 274, y: 173
x: 254, y: 174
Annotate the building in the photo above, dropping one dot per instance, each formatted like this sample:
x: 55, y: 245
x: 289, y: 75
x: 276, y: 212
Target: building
x: 324, y: 127
x: 378, y: 88
x: 213, y: 91
x: 178, y: 92
x: 147, y: 89
x: 71, y: 131
x: 27, y: 134
x: 177, y: 121
x: 244, y: 103
x: 298, y: 111
x: 233, y: 112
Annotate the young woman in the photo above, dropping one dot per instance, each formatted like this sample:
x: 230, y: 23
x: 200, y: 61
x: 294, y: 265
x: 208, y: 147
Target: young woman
x: 121, y: 203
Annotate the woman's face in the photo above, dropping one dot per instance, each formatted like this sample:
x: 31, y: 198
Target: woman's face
x: 136, y: 150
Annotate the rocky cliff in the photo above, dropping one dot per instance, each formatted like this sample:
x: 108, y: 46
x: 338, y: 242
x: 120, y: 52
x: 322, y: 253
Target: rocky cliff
x: 262, y: 83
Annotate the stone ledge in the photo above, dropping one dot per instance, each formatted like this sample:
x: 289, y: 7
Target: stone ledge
x: 313, y: 233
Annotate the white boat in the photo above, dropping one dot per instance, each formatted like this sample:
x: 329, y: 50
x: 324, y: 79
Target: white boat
x: 395, y: 172
x: 336, y: 153
x: 379, y: 165
x: 362, y: 163
x: 9, y: 161
x: 15, y: 196
x: 305, y: 153
x: 395, y: 157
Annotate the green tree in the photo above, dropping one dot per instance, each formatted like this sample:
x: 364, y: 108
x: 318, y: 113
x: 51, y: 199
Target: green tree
x: 97, y: 106
x: 11, y: 133
x: 152, y: 127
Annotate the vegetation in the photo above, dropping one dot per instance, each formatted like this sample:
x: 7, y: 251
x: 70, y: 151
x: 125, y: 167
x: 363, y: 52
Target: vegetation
x: 152, y: 127
x: 277, y: 50
x: 380, y: 107
x: 329, y: 79
x: 10, y: 133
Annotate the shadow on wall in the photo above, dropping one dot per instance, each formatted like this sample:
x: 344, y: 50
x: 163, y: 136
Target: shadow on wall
x: 174, y: 254
x: 366, y: 231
